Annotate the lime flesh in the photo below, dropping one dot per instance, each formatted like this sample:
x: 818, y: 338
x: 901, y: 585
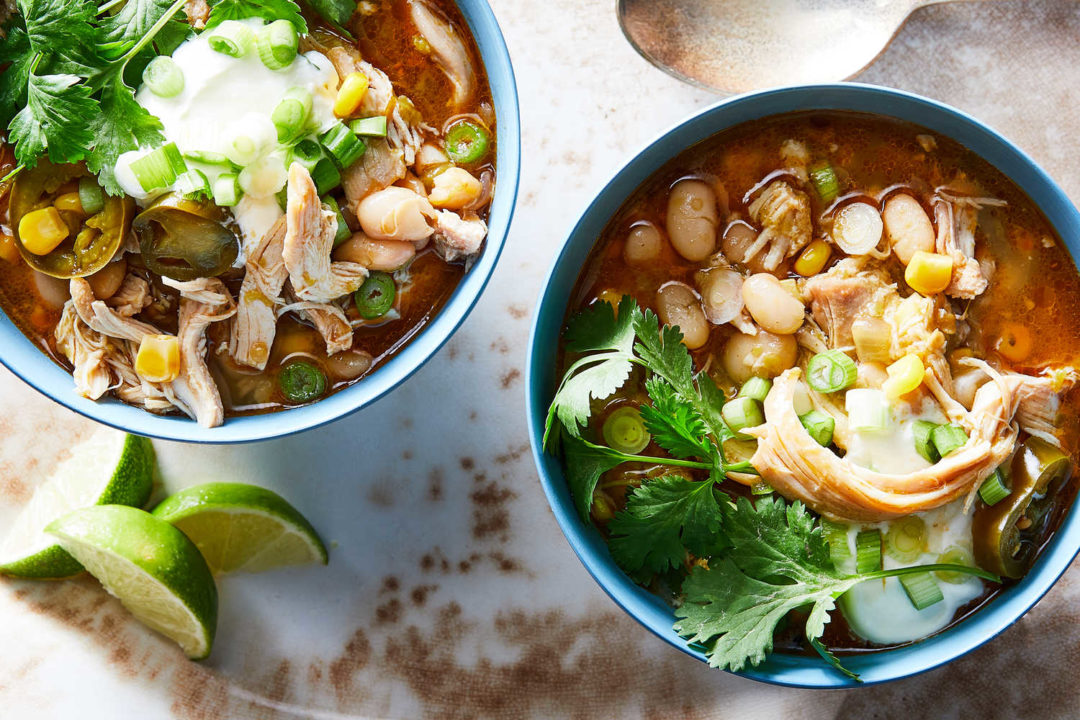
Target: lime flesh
x: 108, y: 468
x: 150, y: 566
x: 243, y: 528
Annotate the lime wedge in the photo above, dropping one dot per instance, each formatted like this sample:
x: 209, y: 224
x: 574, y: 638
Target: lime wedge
x: 110, y: 467
x: 150, y: 566
x: 243, y: 528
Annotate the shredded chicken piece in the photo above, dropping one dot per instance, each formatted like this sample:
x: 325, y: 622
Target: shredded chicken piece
x: 309, y: 239
x: 1038, y: 397
x: 784, y: 216
x: 132, y: 297
x: 379, y: 167
x: 198, y: 12
x: 330, y: 322
x: 850, y: 288
x: 203, y: 301
x: 447, y: 50
x: 956, y: 238
x: 458, y: 236
x: 86, y: 350
x: 797, y: 467
x: 104, y: 319
x: 252, y: 333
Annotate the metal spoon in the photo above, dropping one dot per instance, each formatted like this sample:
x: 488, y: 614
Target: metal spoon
x: 738, y: 45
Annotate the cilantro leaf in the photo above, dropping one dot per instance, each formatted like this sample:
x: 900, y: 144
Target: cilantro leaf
x: 122, y: 31
x: 14, y: 49
x: 62, y: 33
x: 121, y: 125
x: 777, y: 561
x: 828, y: 657
x: 611, y: 338
x: 663, y: 520
x: 661, y: 349
x: 269, y: 10
x: 585, y: 463
x: 56, y: 118
x: 674, y: 423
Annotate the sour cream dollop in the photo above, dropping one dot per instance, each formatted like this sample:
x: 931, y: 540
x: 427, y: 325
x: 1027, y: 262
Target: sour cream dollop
x: 225, y: 98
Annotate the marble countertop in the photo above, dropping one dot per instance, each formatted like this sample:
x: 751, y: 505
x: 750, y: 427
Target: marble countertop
x: 451, y: 592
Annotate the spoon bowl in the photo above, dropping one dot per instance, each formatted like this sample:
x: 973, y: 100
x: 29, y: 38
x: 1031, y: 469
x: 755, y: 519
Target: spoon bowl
x: 735, y: 46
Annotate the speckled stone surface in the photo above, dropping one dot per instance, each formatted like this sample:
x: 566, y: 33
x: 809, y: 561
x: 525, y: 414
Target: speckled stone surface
x: 451, y: 592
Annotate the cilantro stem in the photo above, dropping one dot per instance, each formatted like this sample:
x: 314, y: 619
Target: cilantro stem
x: 154, y: 30
x: 11, y: 175
x: 109, y: 6
x: 626, y: 457
x: 936, y: 567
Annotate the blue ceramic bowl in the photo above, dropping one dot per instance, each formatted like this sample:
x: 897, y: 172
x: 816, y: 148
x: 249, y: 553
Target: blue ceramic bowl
x: 24, y: 359
x: 648, y: 609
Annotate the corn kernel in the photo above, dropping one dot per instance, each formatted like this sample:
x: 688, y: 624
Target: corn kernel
x: 1014, y: 342
x: 42, y: 230
x: 929, y: 273
x: 813, y: 258
x: 70, y: 202
x: 905, y: 375
x: 454, y: 188
x: 158, y: 359
x: 350, y: 94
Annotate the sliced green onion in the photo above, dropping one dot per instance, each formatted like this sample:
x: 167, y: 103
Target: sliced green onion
x: 467, y: 142
x: 369, y: 126
x: 761, y: 488
x: 921, y: 590
x: 906, y: 538
x: 159, y: 168
x: 867, y: 409
x: 242, y: 150
x: 955, y: 555
x: 624, y: 431
x: 820, y: 426
x: 306, y: 152
x: 325, y: 175
x: 830, y: 371
x: 193, y: 182
x: 756, y: 388
x: 208, y: 158
x: 376, y: 296
x: 824, y: 179
x: 836, y: 536
x: 742, y: 413
x: 868, y: 551
x: 301, y: 382
x: 948, y: 438
x: 291, y: 114
x: 993, y: 490
x: 164, y: 77
x: 91, y: 196
x: 923, y: 444
x: 343, y: 232
x: 343, y: 145
x: 232, y: 38
x: 227, y: 189
x: 277, y: 43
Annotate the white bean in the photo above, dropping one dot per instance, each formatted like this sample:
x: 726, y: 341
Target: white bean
x: 692, y: 218
x: 385, y: 255
x: 771, y: 306
x: 738, y: 237
x: 678, y: 304
x: 106, y: 281
x: 762, y: 355
x: 643, y: 245
x: 395, y: 213
x: 721, y: 294
x: 52, y: 291
x: 907, y: 226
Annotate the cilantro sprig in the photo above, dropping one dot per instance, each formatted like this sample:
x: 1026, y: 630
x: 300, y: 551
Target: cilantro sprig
x: 777, y: 560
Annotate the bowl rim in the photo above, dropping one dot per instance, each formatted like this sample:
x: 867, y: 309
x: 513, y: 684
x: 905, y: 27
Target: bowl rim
x: 782, y: 669
x: 26, y: 360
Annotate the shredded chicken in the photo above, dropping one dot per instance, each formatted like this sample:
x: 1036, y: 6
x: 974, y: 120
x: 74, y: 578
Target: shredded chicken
x: 457, y: 236
x: 309, y: 239
x: 956, y: 238
x: 797, y: 467
x: 329, y: 320
x: 202, y: 302
x: 784, y: 216
x: 843, y: 293
x: 132, y: 297
x: 103, y: 319
x: 379, y: 167
x: 447, y: 49
x: 198, y: 12
x: 252, y: 333
x: 86, y: 350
